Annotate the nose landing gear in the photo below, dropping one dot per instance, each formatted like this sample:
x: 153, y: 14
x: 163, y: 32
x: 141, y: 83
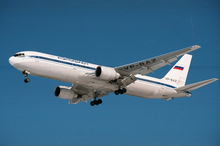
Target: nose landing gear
x: 25, y: 73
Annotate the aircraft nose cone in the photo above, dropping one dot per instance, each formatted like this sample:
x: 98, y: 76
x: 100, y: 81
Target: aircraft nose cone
x: 12, y: 60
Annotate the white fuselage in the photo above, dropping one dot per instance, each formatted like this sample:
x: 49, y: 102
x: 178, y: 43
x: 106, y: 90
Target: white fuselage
x: 82, y: 73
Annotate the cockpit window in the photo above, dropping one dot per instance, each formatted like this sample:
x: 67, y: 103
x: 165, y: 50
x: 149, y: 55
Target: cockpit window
x: 19, y: 54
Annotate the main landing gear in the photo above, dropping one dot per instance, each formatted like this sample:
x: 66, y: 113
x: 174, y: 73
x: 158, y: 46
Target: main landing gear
x: 96, y: 102
x: 25, y: 73
x: 120, y: 91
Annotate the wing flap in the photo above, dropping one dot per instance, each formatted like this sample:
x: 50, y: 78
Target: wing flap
x: 194, y: 86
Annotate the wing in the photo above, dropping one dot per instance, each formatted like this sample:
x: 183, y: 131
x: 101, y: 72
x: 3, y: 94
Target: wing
x: 149, y: 65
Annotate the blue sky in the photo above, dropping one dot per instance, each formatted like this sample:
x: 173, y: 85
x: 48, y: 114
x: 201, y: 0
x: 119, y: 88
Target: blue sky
x: 110, y: 33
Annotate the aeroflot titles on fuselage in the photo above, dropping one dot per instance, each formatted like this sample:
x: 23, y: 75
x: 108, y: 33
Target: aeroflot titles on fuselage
x: 63, y: 58
x: 72, y: 60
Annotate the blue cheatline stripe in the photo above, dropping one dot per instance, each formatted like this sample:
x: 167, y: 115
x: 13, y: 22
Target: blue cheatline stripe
x: 159, y: 83
x: 64, y: 62
x: 87, y: 67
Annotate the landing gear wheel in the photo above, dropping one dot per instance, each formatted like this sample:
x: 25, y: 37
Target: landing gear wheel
x: 124, y: 90
x: 99, y: 101
x: 92, y: 103
x: 120, y: 91
x: 116, y: 92
x: 26, y: 80
x: 96, y: 102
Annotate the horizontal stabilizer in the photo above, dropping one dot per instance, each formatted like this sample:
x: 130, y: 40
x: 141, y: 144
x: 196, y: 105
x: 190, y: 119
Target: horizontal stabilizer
x: 194, y: 86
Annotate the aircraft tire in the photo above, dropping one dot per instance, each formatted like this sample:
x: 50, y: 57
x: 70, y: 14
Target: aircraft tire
x: 26, y: 80
x: 92, y: 103
x: 116, y: 92
x: 120, y: 91
x: 99, y: 101
x: 124, y: 90
x: 96, y: 102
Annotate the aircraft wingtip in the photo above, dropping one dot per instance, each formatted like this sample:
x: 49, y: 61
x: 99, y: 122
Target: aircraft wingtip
x: 215, y: 79
x: 196, y: 46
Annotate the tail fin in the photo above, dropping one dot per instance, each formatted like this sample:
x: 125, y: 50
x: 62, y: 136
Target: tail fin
x: 178, y: 74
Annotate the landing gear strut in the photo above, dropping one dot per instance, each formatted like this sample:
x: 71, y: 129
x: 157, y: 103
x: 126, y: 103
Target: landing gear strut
x: 120, y: 91
x: 96, y: 102
x: 25, y: 73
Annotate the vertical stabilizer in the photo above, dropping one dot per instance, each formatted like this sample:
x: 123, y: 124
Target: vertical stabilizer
x: 178, y: 74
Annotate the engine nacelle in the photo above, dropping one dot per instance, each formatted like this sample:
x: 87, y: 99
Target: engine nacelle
x: 106, y: 73
x: 65, y: 92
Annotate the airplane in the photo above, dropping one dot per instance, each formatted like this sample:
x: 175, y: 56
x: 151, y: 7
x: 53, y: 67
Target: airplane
x: 91, y: 81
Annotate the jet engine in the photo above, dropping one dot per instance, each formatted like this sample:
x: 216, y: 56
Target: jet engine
x: 106, y: 73
x: 65, y: 92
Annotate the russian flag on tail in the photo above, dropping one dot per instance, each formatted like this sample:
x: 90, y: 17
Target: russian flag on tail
x: 179, y: 67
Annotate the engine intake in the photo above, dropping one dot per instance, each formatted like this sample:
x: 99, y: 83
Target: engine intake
x: 65, y: 92
x: 106, y: 73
